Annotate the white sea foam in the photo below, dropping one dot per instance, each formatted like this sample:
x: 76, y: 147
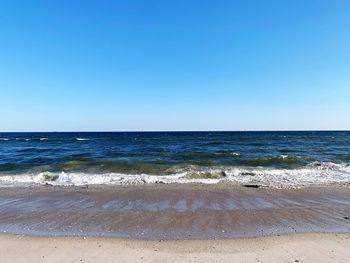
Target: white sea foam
x: 82, y: 139
x: 315, y: 173
x: 236, y: 154
x: 4, y: 139
x: 43, y: 139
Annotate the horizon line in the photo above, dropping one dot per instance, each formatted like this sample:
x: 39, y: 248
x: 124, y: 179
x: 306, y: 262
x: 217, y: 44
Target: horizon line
x: 131, y: 131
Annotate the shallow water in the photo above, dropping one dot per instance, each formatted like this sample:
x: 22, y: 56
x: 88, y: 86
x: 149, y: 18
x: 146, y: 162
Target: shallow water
x: 173, y: 211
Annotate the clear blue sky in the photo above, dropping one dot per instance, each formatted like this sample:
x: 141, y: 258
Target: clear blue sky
x: 174, y: 65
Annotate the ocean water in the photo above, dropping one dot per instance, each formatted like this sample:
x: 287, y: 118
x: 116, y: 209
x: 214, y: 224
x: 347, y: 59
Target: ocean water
x: 271, y: 159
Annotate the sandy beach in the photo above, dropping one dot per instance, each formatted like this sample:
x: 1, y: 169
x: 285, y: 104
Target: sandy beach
x: 175, y: 211
x: 175, y: 223
x: 311, y: 247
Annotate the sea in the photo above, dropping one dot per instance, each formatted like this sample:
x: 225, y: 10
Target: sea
x: 278, y: 159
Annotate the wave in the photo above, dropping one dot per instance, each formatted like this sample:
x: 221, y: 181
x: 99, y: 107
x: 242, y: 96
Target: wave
x: 33, y: 149
x: 316, y: 173
x: 282, y: 160
x: 18, y: 139
x: 82, y: 139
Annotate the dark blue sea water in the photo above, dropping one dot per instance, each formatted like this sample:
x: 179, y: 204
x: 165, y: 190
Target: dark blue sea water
x: 265, y: 158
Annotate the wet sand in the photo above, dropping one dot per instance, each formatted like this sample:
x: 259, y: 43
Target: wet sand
x: 288, y: 248
x: 170, y: 212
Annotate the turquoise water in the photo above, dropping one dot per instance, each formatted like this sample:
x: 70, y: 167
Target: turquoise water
x: 264, y: 158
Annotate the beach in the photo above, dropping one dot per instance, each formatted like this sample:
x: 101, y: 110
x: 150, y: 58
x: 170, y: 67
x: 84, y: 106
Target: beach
x: 175, y: 223
x: 174, y: 211
x: 310, y: 247
x: 174, y: 197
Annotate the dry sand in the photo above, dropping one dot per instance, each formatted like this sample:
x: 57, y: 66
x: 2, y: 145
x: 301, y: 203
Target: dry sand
x: 313, y: 247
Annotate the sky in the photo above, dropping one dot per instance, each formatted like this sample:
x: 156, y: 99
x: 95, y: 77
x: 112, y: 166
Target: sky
x: 174, y: 65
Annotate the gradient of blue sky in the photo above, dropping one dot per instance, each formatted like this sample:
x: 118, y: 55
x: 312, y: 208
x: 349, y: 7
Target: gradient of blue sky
x: 174, y: 65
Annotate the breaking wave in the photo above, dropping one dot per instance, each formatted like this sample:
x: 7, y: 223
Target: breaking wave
x: 316, y: 173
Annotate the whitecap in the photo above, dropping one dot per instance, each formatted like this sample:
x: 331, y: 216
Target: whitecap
x: 317, y: 173
x: 313, y: 174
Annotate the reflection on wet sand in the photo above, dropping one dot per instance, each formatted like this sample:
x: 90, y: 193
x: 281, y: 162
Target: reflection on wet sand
x: 174, y: 211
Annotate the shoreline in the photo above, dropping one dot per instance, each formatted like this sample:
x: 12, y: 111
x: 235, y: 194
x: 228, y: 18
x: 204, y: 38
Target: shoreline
x: 170, y: 212
x: 306, y: 247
